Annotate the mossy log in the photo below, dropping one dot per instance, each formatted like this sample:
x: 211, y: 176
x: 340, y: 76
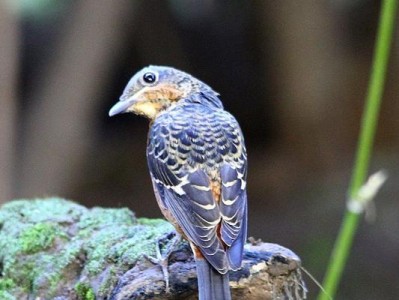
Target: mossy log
x: 57, y: 249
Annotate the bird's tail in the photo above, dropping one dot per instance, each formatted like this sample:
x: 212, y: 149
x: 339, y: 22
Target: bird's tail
x: 211, y: 284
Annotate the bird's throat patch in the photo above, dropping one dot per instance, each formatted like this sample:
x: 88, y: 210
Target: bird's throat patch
x: 148, y: 109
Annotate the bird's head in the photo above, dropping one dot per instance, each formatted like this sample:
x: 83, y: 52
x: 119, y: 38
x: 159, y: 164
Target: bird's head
x: 156, y: 88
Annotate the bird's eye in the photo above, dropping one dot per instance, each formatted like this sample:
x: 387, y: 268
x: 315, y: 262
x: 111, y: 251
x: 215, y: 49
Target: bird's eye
x: 149, y: 77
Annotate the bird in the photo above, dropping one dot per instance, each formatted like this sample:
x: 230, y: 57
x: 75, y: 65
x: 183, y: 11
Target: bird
x: 197, y: 161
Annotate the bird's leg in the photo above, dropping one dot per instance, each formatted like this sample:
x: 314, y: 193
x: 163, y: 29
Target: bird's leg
x: 162, y: 259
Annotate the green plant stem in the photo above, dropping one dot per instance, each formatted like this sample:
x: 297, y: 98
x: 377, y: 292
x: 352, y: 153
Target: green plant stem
x: 350, y: 221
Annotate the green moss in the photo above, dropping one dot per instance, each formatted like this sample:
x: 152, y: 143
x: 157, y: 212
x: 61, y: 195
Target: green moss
x: 110, y: 280
x: 41, y: 210
x: 99, y: 217
x: 90, y: 295
x: 6, y: 283
x: 84, y: 292
x: 153, y: 222
x: 32, y: 242
x: 4, y: 295
x: 17, y: 268
x: 47, y: 245
x: 38, y: 237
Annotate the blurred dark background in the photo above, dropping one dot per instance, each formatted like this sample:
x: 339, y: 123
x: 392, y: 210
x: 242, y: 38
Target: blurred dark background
x: 294, y: 73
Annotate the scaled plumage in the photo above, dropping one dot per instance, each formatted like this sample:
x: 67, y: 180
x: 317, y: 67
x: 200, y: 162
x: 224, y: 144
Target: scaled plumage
x: 197, y: 161
x: 189, y: 148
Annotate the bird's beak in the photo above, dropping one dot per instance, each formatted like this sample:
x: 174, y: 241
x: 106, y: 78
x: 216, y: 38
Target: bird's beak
x: 121, y: 106
x: 124, y: 103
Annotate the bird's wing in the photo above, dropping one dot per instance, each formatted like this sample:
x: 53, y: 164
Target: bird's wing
x: 233, y: 208
x: 179, y: 156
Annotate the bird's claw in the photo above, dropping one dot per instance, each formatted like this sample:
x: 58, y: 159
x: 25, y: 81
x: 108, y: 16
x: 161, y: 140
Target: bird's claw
x: 162, y: 260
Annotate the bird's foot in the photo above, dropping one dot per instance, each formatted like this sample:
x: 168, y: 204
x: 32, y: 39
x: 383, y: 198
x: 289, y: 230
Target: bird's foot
x: 162, y: 257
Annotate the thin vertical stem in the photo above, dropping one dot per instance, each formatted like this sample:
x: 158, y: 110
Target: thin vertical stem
x: 368, y: 128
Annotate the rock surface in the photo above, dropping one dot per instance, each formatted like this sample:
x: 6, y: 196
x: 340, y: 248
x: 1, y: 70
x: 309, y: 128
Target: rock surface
x: 57, y: 249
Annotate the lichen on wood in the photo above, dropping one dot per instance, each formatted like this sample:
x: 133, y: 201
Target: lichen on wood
x: 57, y: 249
